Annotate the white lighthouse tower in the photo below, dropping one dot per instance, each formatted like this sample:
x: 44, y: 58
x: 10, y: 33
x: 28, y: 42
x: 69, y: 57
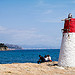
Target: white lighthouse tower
x: 67, y: 51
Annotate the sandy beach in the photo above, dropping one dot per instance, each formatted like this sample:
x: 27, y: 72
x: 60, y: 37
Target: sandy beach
x: 35, y: 69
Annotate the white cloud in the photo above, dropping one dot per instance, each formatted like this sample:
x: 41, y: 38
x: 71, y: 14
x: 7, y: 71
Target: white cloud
x: 2, y: 28
x: 28, y: 37
x: 42, y: 3
x: 48, y: 12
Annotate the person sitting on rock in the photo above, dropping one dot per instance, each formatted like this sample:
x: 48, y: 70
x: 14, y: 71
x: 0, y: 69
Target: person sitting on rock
x: 41, y: 59
x: 46, y: 58
x: 49, y: 58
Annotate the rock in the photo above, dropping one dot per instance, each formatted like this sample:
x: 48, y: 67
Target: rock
x: 3, y: 47
x: 54, y: 63
x: 35, y: 69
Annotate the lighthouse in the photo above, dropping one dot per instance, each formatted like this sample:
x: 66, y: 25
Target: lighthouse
x: 67, y: 50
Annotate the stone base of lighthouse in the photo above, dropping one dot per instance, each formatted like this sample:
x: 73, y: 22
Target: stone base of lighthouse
x: 67, y: 51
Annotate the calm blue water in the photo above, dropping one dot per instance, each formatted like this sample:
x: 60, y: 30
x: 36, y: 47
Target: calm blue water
x: 24, y: 56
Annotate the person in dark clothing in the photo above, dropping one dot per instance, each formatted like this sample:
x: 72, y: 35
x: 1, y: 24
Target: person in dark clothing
x: 41, y: 59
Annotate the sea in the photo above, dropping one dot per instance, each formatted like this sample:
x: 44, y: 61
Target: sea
x: 27, y: 56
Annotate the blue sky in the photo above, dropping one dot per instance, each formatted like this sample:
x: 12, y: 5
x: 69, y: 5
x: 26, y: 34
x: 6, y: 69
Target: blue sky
x: 34, y: 23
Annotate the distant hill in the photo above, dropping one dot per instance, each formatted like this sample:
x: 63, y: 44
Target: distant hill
x: 11, y: 46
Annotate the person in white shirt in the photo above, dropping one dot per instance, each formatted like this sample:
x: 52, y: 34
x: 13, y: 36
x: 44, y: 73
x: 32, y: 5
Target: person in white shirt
x: 49, y: 58
x: 46, y: 58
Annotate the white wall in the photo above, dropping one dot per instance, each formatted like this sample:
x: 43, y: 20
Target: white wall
x: 67, y: 51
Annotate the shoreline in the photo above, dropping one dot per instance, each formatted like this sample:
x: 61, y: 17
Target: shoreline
x: 46, y: 68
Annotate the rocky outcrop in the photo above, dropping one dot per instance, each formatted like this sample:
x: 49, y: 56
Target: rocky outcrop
x: 3, y: 47
x: 47, y: 68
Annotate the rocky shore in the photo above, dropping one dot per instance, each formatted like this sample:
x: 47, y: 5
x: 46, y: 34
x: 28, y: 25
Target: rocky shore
x: 7, y: 47
x: 49, y: 68
x: 3, y: 47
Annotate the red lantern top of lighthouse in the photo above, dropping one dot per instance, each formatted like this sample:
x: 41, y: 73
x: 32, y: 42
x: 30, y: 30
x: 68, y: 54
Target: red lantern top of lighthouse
x: 69, y: 25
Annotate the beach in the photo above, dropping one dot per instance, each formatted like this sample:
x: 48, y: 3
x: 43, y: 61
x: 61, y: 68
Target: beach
x: 47, y: 68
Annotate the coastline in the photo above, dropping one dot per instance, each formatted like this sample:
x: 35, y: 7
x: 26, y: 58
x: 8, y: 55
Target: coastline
x: 46, y: 68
